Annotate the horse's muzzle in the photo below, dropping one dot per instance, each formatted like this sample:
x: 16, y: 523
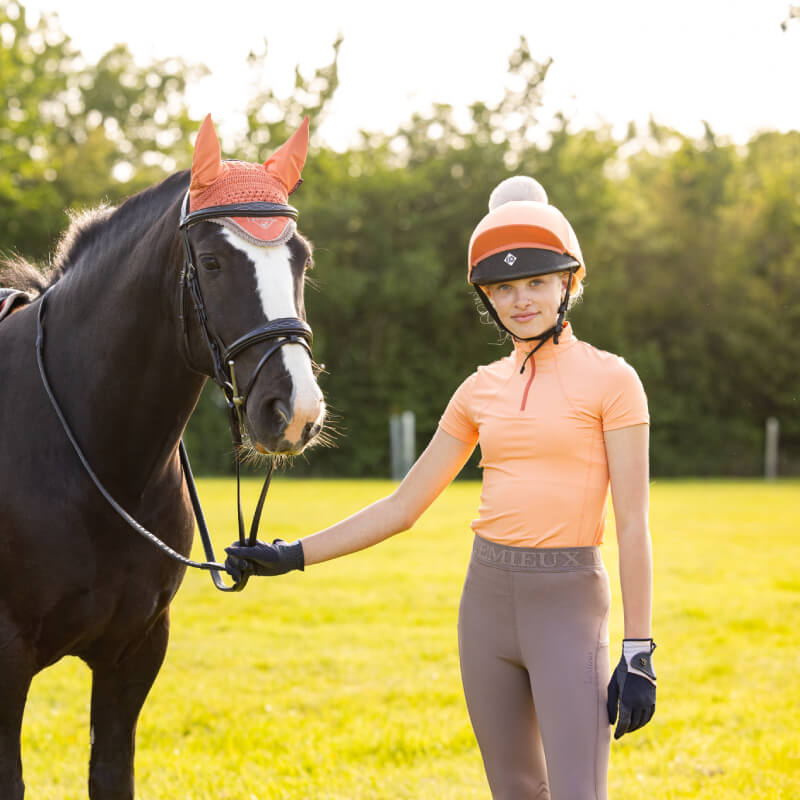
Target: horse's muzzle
x: 278, y: 428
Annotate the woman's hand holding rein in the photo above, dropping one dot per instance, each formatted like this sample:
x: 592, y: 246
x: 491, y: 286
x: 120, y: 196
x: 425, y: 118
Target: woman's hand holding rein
x: 263, y: 559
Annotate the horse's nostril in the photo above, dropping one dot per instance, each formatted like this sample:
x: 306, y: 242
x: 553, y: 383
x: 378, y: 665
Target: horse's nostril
x: 311, y: 430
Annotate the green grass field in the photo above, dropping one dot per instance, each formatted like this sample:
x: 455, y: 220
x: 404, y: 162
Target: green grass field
x: 342, y: 683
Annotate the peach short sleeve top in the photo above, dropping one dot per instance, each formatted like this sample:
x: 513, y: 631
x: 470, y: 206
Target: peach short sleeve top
x: 545, y: 474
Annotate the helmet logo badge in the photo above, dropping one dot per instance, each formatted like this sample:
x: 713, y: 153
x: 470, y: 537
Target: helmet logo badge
x: 510, y: 259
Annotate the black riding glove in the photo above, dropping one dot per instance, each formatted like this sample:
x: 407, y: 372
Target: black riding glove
x: 264, y: 559
x: 633, y: 687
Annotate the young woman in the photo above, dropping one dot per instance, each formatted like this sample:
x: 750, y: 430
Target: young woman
x: 556, y: 420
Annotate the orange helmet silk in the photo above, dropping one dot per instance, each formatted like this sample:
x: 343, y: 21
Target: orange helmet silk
x: 526, y: 225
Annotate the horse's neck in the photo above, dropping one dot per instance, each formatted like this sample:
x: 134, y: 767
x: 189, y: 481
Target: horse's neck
x: 113, y: 353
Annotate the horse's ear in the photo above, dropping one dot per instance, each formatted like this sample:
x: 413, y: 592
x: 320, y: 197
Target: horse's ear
x: 207, y: 159
x: 286, y: 163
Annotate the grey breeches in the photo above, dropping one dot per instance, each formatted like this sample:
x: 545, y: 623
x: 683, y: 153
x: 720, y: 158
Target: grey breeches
x: 533, y: 642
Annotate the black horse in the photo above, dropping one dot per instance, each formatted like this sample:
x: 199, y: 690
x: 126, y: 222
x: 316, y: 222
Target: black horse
x: 127, y: 357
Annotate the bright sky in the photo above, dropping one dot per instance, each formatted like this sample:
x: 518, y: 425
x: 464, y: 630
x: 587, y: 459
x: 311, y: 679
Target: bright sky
x: 683, y: 61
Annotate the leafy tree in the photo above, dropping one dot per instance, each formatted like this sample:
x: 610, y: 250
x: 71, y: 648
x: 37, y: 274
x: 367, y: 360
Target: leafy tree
x: 759, y: 278
x: 272, y: 119
x: 72, y: 133
x: 35, y: 63
x: 397, y: 320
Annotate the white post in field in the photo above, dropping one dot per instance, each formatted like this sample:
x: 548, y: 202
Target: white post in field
x: 771, y: 448
x: 402, y: 436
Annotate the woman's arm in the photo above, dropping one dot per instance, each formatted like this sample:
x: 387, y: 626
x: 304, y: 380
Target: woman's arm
x: 441, y: 461
x: 628, y: 468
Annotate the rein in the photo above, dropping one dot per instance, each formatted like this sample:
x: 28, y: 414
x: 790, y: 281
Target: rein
x: 279, y: 331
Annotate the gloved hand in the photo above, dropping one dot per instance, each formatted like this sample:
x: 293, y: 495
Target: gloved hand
x: 633, y: 687
x: 264, y: 559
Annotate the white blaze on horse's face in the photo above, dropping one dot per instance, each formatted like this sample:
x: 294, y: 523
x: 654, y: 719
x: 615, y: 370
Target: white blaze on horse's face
x: 276, y: 290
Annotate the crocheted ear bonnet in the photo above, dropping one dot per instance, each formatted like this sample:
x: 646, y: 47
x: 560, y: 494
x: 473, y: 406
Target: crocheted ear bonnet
x: 219, y: 183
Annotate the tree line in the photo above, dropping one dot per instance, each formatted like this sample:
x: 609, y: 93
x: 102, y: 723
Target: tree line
x: 692, y: 244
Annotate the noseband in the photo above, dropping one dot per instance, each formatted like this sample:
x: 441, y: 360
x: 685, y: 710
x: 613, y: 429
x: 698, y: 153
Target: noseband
x: 286, y: 330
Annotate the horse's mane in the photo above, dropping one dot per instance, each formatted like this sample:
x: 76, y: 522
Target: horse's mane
x: 86, y: 227
x: 17, y: 273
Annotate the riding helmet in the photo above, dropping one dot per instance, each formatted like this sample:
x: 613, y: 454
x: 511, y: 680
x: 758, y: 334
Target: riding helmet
x: 523, y: 235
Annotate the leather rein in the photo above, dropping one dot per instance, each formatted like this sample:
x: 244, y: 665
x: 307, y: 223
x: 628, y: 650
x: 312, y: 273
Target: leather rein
x: 279, y: 332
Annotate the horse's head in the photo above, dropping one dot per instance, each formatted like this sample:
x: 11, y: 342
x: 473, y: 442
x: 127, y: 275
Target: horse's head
x: 249, y: 274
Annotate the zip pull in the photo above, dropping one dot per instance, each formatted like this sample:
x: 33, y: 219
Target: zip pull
x: 527, y: 389
x: 546, y: 337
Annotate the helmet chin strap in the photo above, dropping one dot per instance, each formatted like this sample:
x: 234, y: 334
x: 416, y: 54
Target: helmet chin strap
x: 553, y: 332
x: 562, y: 311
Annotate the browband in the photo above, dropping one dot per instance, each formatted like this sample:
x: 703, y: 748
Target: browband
x: 259, y: 209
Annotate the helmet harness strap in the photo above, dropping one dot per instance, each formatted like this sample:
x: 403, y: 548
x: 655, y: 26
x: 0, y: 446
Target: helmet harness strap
x: 553, y: 332
x: 562, y: 311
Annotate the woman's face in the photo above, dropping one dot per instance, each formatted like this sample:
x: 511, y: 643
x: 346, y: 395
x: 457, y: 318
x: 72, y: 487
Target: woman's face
x: 528, y: 306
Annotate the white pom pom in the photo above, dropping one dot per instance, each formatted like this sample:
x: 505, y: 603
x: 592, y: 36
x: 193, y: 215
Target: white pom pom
x: 520, y: 187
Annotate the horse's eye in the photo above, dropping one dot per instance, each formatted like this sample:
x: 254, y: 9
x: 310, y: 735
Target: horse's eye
x: 209, y: 262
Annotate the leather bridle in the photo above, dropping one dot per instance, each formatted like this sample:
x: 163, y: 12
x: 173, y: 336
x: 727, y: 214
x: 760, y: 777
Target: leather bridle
x: 287, y: 330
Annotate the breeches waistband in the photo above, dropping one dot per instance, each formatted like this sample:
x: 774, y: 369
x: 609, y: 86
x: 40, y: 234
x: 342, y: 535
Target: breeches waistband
x: 536, y: 559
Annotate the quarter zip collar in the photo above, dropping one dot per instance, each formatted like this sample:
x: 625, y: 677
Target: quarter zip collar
x: 526, y: 359
x: 548, y: 350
